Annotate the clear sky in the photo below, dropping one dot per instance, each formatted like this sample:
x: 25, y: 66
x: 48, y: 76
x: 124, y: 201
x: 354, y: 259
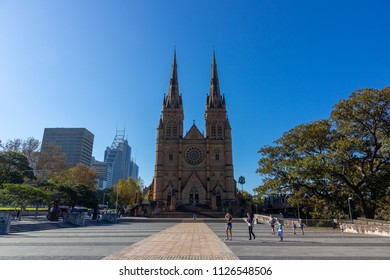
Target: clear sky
x: 105, y: 65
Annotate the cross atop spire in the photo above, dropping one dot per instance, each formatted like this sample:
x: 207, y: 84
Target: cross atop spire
x: 173, y: 100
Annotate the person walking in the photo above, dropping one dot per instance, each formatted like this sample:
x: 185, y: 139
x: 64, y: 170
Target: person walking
x: 294, y: 227
x: 301, y: 226
x: 272, y: 223
x: 342, y: 227
x: 249, y: 221
x: 98, y: 219
x: 279, y: 226
x: 334, y: 223
x: 229, y: 226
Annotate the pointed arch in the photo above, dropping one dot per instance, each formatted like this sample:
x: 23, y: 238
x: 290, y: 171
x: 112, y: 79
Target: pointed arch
x: 220, y: 130
x: 217, y: 154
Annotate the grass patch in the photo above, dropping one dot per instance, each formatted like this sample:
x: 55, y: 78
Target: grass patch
x: 18, y: 208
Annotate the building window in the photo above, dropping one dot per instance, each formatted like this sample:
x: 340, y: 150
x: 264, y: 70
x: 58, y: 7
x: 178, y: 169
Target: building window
x: 217, y: 154
x: 170, y: 156
x: 213, y: 131
x: 174, y: 130
x: 194, y: 155
x: 219, y: 132
x: 169, y: 130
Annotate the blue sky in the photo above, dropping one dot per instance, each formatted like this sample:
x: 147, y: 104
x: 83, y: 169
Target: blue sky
x: 105, y: 65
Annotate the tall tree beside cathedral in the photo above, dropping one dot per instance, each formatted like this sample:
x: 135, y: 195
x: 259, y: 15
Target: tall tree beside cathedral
x: 331, y: 160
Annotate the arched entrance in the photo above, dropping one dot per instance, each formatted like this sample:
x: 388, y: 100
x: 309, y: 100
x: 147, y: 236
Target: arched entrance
x: 194, y: 195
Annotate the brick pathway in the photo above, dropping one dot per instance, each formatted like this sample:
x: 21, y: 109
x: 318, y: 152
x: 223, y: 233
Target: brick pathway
x: 184, y: 241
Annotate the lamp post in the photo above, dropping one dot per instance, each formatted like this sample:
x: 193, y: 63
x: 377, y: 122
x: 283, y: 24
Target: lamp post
x: 349, y: 206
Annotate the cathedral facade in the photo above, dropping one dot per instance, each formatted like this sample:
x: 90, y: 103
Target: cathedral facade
x: 194, y: 169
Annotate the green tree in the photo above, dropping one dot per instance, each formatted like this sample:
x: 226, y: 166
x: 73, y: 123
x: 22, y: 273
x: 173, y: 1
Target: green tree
x: 299, y: 164
x: 334, y: 159
x: 362, y: 155
x: 128, y: 193
x: 14, y: 168
x: 79, y: 195
x: 28, y: 147
x: 21, y: 195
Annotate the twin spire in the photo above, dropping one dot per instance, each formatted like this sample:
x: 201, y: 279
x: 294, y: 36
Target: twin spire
x: 174, y: 100
x: 214, y: 100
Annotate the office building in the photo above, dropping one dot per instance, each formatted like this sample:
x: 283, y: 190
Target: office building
x: 117, y: 158
x: 75, y: 143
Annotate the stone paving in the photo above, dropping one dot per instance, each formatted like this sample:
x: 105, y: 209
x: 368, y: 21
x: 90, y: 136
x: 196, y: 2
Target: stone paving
x: 184, y: 241
x: 157, y: 239
x: 315, y: 244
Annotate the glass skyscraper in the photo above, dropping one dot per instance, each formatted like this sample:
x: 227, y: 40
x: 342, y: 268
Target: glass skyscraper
x: 118, y: 159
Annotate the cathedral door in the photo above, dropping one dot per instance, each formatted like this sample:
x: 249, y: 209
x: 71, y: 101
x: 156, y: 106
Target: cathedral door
x: 194, y: 196
x: 219, y: 200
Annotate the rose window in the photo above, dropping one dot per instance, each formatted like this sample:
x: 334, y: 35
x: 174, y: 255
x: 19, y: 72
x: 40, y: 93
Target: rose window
x: 194, y: 155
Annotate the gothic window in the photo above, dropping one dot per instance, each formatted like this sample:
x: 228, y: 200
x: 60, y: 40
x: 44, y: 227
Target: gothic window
x: 174, y: 130
x: 219, y: 132
x: 169, y: 130
x: 213, y: 130
x: 170, y: 155
x: 217, y: 154
x: 194, y: 155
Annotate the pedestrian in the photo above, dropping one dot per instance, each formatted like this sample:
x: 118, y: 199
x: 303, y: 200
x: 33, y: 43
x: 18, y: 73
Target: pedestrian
x: 279, y: 226
x: 249, y: 221
x: 301, y: 226
x: 342, y: 227
x: 272, y: 223
x: 229, y: 226
x: 98, y: 219
x: 294, y: 227
x: 334, y: 223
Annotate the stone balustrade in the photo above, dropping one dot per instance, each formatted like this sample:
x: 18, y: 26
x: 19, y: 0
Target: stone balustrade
x: 361, y: 225
x: 77, y: 219
x: 110, y: 218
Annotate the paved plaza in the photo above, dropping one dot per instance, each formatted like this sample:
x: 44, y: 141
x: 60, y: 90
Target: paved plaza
x: 203, y: 239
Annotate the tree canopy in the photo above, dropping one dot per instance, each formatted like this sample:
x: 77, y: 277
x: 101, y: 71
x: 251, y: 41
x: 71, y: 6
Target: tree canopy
x: 128, y: 192
x: 14, y: 168
x: 344, y: 156
x: 21, y: 195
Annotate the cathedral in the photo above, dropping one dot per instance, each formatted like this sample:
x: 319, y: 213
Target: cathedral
x: 194, y: 169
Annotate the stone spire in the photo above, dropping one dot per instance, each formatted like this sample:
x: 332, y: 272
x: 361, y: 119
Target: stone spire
x: 173, y: 100
x: 215, y: 100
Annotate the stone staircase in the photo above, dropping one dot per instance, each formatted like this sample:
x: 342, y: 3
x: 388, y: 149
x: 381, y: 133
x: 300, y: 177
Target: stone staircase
x: 188, y: 211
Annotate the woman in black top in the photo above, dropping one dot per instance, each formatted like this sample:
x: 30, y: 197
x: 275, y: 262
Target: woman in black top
x: 249, y: 221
